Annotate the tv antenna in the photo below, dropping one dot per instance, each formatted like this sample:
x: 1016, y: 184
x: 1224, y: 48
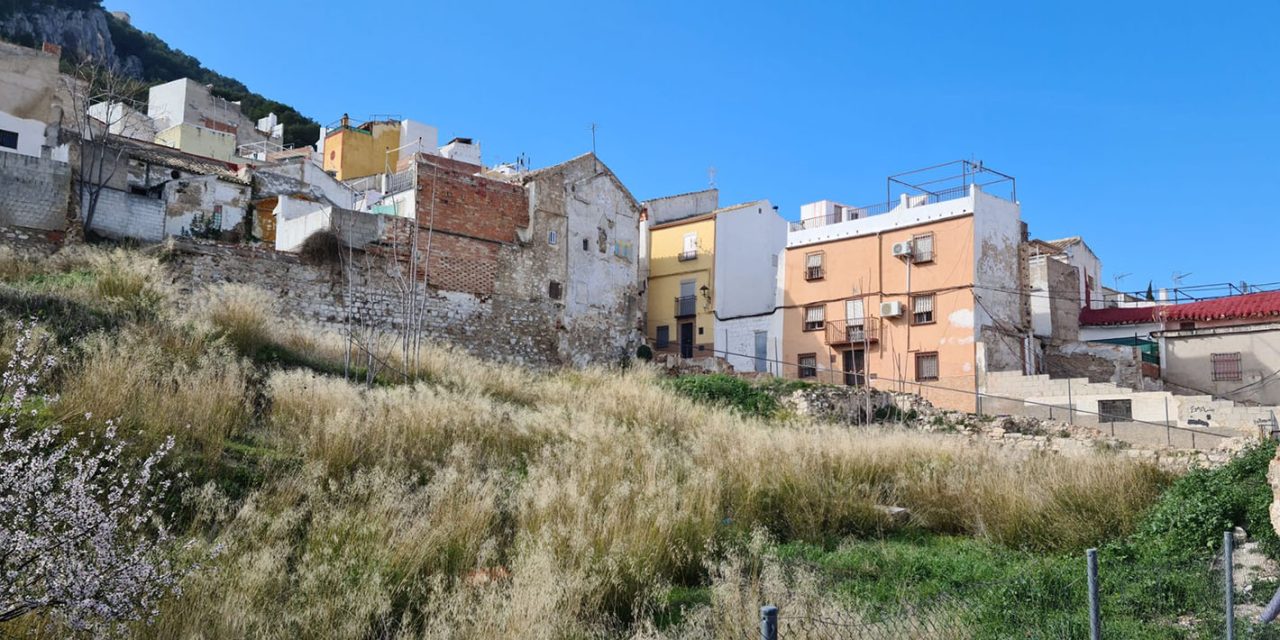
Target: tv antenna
x: 1117, y: 278
x: 1178, y: 277
x: 594, y: 127
x: 711, y: 176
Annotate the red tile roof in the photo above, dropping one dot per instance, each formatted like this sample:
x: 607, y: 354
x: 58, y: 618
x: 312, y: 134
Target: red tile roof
x: 1242, y: 307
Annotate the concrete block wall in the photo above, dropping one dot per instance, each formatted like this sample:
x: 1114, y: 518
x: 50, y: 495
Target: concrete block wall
x: 126, y: 215
x: 33, y: 192
x: 1039, y: 392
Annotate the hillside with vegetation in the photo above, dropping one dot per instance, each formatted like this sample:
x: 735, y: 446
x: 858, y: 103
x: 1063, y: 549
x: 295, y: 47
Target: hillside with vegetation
x: 468, y: 499
x: 78, y: 25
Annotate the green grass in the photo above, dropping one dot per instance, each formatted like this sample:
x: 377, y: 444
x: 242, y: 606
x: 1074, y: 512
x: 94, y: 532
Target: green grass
x: 1158, y: 582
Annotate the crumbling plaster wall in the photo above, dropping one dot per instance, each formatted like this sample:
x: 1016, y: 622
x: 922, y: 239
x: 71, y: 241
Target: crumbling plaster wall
x: 203, y: 205
x: 997, y: 278
x: 602, y: 296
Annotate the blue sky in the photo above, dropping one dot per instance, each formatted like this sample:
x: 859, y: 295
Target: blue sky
x: 1151, y: 129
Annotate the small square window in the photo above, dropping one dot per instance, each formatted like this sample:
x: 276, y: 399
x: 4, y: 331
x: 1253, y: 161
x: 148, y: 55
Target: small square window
x: 814, y: 265
x: 554, y: 290
x: 664, y: 337
x: 926, y: 366
x: 8, y: 139
x: 815, y: 317
x: 808, y: 365
x: 922, y: 309
x: 1226, y: 367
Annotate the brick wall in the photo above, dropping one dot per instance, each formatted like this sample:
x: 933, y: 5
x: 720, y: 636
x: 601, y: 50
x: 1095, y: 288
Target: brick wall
x: 33, y: 192
x: 467, y: 204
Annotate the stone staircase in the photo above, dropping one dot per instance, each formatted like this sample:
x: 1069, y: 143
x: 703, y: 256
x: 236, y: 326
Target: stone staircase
x: 1079, y: 400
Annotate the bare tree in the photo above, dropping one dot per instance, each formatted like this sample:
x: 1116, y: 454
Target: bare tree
x: 104, y: 109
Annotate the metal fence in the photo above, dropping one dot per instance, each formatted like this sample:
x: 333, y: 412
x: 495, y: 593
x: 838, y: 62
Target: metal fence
x: 1101, y: 600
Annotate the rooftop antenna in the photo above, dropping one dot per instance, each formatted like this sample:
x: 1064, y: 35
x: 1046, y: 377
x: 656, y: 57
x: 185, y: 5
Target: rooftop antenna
x: 711, y: 176
x: 1178, y: 277
x: 594, y: 126
x: 1118, y: 277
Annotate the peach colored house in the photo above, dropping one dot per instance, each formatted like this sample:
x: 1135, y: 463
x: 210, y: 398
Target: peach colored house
x: 922, y: 297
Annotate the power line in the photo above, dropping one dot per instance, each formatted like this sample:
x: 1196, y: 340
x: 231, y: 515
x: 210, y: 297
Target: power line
x: 977, y: 394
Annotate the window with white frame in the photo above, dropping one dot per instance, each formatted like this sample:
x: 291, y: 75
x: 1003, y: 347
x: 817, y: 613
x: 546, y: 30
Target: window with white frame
x: 815, y: 317
x: 922, y: 309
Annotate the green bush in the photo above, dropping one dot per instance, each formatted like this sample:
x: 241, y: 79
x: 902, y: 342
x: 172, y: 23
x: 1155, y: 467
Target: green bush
x: 643, y: 352
x: 1190, y: 517
x: 728, y: 391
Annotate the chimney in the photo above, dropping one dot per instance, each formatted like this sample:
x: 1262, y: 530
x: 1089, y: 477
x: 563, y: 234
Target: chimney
x: 346, y: 121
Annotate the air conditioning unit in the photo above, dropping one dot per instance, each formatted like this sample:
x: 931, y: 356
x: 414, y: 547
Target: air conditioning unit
x: 902, y: 249
x: 891, y: 309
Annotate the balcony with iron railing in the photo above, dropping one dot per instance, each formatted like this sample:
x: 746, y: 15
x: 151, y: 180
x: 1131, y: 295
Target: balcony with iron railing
x: 853, y: 331
x: 687, y: 255
x: 686, y: 306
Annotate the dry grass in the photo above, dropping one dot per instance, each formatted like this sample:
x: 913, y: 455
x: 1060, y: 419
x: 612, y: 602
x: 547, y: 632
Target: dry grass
x: 243, y: 315
x: 583, y: 495
x: 159, y: 383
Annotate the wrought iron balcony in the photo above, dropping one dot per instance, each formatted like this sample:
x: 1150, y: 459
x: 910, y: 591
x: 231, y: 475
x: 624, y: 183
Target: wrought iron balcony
x: 853, y: 331
x: 686, y: 306
x: 687, y: 255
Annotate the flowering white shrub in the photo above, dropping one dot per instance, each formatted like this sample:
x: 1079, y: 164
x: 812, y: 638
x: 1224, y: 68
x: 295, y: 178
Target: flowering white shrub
x: 81, y: 536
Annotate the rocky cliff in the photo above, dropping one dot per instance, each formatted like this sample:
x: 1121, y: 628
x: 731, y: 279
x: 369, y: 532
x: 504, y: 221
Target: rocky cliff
x: 83, y: 32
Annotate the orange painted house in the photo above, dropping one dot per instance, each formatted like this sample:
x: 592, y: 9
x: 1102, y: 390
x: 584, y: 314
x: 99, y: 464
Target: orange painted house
x: 921, y: 298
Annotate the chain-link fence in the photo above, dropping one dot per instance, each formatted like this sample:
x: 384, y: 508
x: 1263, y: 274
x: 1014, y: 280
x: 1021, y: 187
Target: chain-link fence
x: 1106, y: 595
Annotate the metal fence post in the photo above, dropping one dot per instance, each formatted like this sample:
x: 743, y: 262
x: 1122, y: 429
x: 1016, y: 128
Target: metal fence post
x: 1228, y: 582
x: 1071, y: 405
x: 768, y: 622
x: 1095, y: 616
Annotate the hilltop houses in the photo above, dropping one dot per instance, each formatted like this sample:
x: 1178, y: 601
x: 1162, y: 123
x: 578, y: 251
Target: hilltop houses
x: 938, y: 291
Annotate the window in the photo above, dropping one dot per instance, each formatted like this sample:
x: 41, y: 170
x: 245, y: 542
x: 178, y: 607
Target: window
x: 8, y: 139
x: 922, y: 248
x: 1186, y: 326
x: 664, y: 336
x: 553, y: 238
x: 808, y: 365
x: 922, y: 309
x: 813, y: 265
x: 586, y: 244
x: 554, y: 290
x: 815, y: 318
x: 689, y: 250
x: 1115, y: 410
x: 1226, y: 366
x: 926, y: 366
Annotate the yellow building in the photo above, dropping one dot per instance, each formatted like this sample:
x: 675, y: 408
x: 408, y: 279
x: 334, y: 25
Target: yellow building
x: 681, y: 280
x: 366, y: 150
x: 199, y: 141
